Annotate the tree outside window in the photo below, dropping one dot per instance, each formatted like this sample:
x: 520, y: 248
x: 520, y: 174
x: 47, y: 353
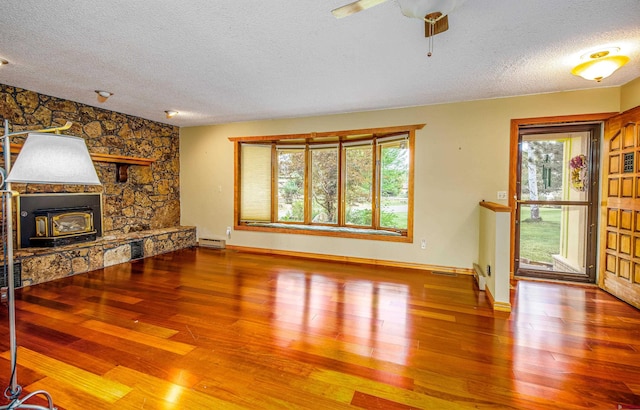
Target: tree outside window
x: 291, y: 185
x: 324, y: 185
x: 394, y: 184
x: 359, y: 185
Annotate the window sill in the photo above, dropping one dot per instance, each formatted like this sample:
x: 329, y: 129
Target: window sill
x: 321, y: 230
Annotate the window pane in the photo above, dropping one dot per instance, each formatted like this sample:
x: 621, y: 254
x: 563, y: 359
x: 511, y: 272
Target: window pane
x: 358, y: 185
x: 394, y: 184
x: 291, y: 185
x: 255, y: 181
x: 324, y: 185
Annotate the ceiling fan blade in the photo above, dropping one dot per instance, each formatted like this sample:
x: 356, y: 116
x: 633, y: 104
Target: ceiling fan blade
x: 440, y: 24
x: 354, y: 7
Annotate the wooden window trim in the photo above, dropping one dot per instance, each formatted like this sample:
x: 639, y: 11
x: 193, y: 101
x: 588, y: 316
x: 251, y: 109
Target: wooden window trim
x: 365, y: 132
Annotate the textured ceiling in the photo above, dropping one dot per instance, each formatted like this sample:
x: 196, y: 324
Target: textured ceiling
x: 230, y: 60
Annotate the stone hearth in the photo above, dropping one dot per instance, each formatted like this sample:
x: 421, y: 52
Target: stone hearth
x: 44, y: 264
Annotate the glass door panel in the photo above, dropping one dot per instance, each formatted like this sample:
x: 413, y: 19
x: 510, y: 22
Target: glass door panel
x: 556, y: 240
x: 554, y: 167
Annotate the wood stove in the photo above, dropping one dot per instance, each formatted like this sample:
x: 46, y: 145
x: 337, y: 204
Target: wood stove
x: 63, y: 226
x: 47, y: 220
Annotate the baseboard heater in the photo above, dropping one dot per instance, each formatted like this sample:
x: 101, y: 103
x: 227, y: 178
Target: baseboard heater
x: 479, y: 275
x: 212, y: 243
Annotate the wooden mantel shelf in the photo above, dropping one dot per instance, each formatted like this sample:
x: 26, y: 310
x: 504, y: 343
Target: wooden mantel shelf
x: 122, y: 162
x: 120, y: 159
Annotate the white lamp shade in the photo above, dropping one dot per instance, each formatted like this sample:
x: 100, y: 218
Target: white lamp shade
x: 420, y: 8
x: 54, y: 159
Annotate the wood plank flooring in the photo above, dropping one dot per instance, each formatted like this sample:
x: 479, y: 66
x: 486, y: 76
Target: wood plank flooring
x: 209, y: 329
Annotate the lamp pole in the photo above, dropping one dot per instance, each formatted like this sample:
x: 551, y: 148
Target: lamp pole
x: 8, y: 215
x: 13, y: 391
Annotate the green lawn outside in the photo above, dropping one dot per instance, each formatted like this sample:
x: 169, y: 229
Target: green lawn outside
x: 540, y: 240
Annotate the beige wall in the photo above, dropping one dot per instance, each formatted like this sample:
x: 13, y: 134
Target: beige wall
x: 630, y: 95
x: 462, y: 157
x: 493, y: 251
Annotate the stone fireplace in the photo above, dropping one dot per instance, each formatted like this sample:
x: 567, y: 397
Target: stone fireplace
x: 138, y: 216
x: 48, y: 220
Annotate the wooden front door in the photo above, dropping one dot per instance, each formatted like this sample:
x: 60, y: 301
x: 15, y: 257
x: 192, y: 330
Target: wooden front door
x: 620, y: 222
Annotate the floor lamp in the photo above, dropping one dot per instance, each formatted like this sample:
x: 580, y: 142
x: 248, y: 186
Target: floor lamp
x: 43, y: 159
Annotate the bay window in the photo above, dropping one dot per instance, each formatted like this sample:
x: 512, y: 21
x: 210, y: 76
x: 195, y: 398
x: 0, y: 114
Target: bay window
x: 356, y: 183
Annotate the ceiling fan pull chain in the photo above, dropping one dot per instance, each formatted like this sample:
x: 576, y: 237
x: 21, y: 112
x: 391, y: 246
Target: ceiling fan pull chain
x: 431, y: 34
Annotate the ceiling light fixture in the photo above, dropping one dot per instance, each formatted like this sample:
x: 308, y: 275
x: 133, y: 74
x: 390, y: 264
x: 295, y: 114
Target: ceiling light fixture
x: 170, y: 113
x: 103, y: 95
x: 3, y: 62
x: 600, y: 64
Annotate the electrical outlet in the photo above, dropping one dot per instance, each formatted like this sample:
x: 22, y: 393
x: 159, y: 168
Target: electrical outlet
x: 502, y: 194
x: 488, y: 270
x: 423, y: 244
x: 228, y: 232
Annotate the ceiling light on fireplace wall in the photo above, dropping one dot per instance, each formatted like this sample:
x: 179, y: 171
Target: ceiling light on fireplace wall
x: 103, y: 95
x: 600, y: 64
x: 170, y: 113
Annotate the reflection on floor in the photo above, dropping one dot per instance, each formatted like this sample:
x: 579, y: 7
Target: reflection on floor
x: 209, y: 329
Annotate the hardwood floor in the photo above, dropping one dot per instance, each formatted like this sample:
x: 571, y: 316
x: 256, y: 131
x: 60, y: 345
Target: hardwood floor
x: 207, y: 329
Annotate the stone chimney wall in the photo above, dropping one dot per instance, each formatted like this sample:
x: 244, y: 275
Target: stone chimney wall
x: 149, y: 199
